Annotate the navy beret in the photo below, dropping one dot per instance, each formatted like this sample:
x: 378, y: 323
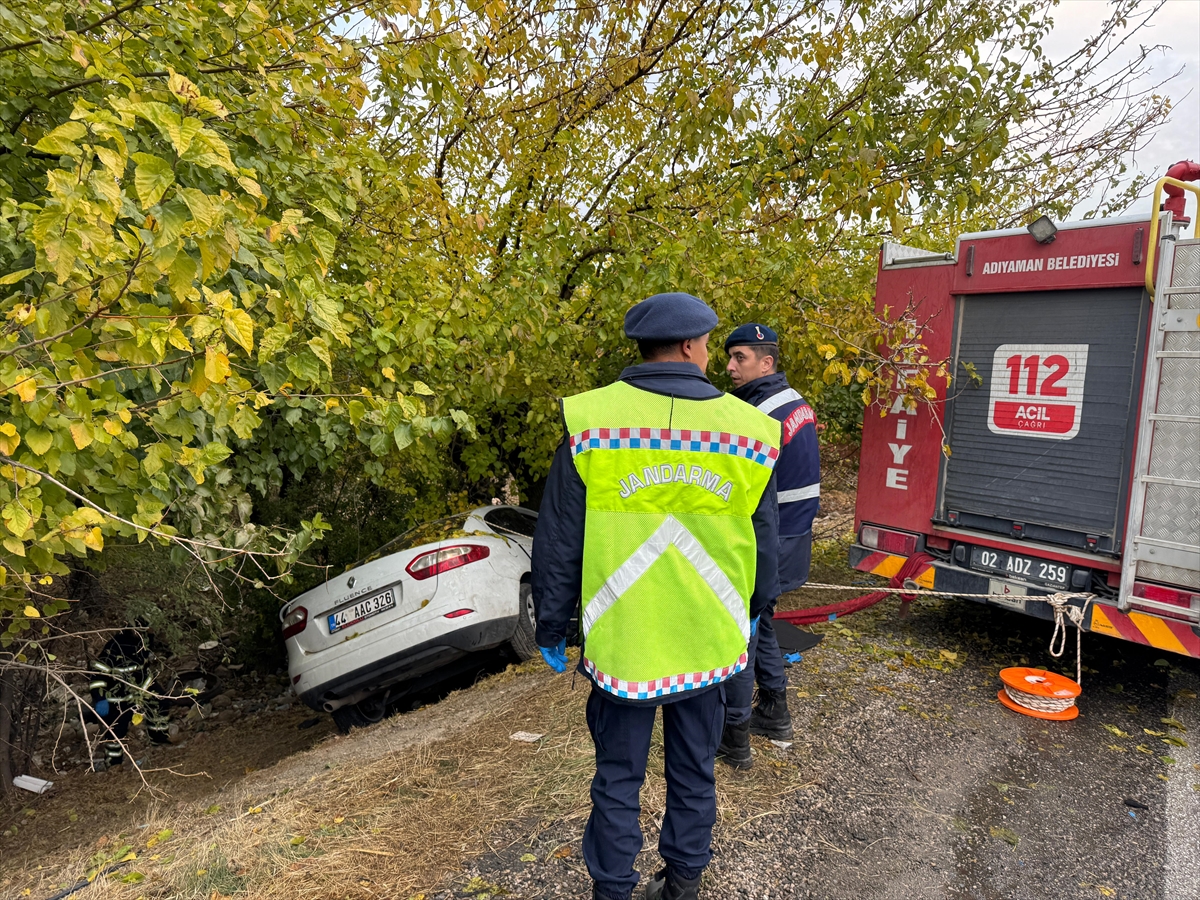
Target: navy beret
x: 669, y: 317
x: 749, y: 334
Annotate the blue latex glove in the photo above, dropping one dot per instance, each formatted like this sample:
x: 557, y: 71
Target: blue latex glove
x: 754, y: 626
x: 792, y: 658
x: 101, y: 708
x: 556, y: 657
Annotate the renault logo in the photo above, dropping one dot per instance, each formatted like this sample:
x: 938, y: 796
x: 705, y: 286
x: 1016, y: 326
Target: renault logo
x: 351, y: 582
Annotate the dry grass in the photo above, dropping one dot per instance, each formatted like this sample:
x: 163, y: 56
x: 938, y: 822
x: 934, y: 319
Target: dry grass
x: 396, y: 824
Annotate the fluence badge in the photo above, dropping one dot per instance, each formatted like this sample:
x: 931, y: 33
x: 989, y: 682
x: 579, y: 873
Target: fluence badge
x: 758, y: 333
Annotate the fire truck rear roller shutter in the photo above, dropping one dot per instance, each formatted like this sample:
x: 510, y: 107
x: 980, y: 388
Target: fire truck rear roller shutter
x: 1073, y: 485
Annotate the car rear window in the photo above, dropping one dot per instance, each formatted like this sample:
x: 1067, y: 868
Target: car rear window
x: 425, y: 533
x: 514, y: 521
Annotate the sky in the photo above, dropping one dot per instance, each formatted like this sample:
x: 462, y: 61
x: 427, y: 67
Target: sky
x: 1177, y: 28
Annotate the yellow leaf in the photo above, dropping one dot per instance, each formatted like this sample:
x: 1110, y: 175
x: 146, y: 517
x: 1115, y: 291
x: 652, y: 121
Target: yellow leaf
x: 124, y: 415
x: 420, y: 387
x: 31, y: 612
x: 250, y: 186
x: 179, y: 340
x: 94, y: 539
x: 9, y: 439
x: 27, y: 389
x: 14, y: 277
x: 81, y: 433
x: 240, y: 327
x: 79, y: 56
x: 338, y: 820
x: 138, y: 718
x: 113, y: 427
x: 216, y: 365
x: 389, y: 373
x: 198, y: 384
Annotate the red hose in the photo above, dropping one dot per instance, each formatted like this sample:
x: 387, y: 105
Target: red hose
x: 912, y: 567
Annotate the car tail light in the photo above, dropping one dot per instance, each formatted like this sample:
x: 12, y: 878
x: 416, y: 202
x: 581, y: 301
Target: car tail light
x: 458, y: 613
x: 437, y: 561
x: 295, y: 622
x: 888, y: 541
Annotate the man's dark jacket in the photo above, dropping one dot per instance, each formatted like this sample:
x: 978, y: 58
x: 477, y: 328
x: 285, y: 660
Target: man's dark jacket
x: 557, y: 573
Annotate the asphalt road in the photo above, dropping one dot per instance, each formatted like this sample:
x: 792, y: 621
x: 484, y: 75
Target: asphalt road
x: 907, y: 779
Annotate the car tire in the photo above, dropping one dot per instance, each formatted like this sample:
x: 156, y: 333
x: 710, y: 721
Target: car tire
x: 523, y: 642
x: 365, y: 712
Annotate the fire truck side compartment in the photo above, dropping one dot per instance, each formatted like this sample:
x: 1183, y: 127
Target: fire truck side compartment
x: 1070, y: 491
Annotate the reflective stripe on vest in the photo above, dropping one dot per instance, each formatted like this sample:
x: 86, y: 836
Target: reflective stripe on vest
x: 808, y: 492
x: 670, y: 533
x: 775, y: 401
x: 670, y: 553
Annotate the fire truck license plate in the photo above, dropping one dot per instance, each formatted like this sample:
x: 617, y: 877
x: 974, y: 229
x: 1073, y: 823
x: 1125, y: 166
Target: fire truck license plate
x: 1020, y: 568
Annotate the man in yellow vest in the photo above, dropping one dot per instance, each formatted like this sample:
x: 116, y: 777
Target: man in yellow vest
x: 660, y: 514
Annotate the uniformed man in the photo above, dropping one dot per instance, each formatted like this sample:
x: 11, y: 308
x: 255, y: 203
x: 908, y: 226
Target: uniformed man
x: 753, y: 354
x: 660, y: 513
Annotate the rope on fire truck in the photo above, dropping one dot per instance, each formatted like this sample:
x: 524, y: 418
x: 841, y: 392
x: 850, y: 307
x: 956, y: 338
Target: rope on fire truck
x: 1058, y: 706
x: 1063, y: 609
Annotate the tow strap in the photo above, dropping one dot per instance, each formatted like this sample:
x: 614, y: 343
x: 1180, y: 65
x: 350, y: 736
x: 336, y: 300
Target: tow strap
x: 911, y: 569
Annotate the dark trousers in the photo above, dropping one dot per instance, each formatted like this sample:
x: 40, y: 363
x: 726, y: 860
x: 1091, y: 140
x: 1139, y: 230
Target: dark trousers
x: 764, y: 664
x: 621, y: 732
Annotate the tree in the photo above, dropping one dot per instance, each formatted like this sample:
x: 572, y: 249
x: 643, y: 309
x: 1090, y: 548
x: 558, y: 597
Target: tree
x: 243, y: 242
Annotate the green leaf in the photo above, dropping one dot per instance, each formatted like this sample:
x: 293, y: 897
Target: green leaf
x: 325, y: 314
x: 39, y: 440
x: 151, y: 178
x: 200, y: 206
x: 320, y: 349
x: 403, y: 435
x: 305, y: 366
x: 62, y: 140
x: 323, y: 242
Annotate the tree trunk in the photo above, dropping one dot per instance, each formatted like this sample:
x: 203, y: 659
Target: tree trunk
x: 6, y: 720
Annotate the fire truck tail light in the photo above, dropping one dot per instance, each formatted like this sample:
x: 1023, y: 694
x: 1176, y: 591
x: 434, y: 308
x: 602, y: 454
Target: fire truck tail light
x: 888, y: 541
x: 1182, y: 599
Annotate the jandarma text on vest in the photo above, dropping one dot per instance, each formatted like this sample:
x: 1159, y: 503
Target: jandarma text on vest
x: 667, y: 474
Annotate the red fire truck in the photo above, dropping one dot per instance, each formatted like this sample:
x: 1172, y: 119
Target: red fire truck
x: 1075, y: 466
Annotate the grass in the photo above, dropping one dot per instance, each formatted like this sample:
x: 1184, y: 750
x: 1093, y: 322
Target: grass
x: 400, y: 823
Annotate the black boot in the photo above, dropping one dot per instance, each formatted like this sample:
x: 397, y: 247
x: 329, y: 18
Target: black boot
x: 771, y: 717
x: 735, y: 746
x: 666, y: 885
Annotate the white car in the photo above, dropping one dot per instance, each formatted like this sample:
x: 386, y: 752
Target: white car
x: 411, y: 611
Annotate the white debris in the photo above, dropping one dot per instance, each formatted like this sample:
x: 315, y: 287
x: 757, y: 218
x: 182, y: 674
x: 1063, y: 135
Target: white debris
x: 29, y: 783
x: 526, y: 737
x: 782, y: 745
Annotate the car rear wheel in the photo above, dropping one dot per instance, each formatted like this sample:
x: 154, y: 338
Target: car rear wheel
x: 365, y: 712
x: 523, y: 642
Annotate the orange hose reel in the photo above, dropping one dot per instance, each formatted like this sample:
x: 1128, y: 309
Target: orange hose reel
x: 1038, y: 693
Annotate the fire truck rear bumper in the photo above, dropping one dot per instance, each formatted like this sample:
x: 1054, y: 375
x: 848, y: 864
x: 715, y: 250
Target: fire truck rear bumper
x: 1141, y: 628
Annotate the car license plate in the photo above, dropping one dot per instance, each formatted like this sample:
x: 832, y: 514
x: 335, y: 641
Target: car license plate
x: 364, y: 609
x: 1020, y: 568
x: 1010, y: 595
